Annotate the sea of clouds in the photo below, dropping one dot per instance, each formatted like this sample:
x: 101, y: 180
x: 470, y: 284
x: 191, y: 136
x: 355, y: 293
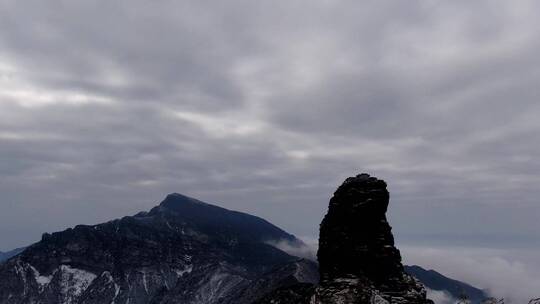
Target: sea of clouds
x: 512, y: 274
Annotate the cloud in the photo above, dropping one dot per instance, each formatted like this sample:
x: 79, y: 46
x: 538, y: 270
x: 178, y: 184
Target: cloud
x: 265, y: 107
x: 505, y: 273
x: 440, y: 297
x: 307, y: 250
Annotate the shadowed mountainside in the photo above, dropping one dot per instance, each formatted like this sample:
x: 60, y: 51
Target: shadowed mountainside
x: 182, y: 251
x: 436, y: 281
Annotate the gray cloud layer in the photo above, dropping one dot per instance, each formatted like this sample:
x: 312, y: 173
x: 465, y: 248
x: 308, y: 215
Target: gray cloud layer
x: 266, y: 107
x: 509, y: 274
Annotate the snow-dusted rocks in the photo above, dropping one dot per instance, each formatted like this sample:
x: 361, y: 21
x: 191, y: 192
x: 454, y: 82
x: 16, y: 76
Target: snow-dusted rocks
x: 182, y: 251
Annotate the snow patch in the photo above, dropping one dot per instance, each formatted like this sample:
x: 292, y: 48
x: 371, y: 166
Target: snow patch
x: 180, y: 273
x: 41, y: 280
x: 112, y: 281
x: 20, y: 272
x: 74, y: 282
x: 217, y: 286
x: 376, y: 299
x: 145, y: 283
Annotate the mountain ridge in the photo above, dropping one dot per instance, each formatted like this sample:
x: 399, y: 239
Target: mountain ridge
x: 439, y: 282
x: 187, y: 251
x: 181, y: 251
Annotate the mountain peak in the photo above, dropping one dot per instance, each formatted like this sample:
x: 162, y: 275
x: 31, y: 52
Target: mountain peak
x: 177, y: 201
x: 179, y: 198
x: 182, y: 251
x: 210, y: 218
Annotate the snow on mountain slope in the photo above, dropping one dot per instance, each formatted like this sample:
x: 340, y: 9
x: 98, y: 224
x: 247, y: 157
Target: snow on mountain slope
x: 181, y: 251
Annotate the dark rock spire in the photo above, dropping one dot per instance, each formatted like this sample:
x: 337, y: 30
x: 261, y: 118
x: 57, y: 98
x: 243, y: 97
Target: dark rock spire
x: 358, y: 262
x: 355, y: 237
x: 357, y: 257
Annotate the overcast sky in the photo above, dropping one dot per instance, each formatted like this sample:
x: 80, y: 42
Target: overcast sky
x: 266, y: 106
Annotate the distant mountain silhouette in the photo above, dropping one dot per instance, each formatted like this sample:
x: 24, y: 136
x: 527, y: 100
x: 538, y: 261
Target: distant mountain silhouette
x: 7, y: 255
x: 436, y: 281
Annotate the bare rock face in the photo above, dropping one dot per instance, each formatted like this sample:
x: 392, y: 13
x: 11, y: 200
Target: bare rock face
x: 355, y: 237
x: 358, y: 262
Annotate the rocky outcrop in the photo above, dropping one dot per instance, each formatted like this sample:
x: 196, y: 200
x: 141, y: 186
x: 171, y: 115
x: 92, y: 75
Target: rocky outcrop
x: 358, y: 262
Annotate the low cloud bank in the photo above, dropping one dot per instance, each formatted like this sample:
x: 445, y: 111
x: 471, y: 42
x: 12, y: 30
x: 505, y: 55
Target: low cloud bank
x: 440, y: 297
x: 510, y: 274
x: 307, y: 249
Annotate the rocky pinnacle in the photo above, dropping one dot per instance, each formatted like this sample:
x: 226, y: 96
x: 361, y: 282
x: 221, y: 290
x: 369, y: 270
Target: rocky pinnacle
x: 355, y: 237
x: 357, y: 257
